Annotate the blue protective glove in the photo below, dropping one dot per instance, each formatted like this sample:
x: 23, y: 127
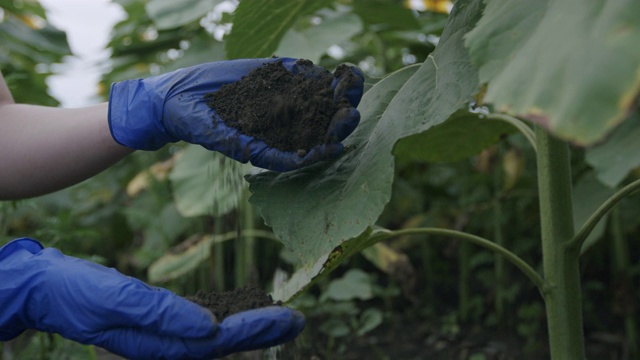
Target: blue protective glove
x: 45, y: 290
x: 146, y: 114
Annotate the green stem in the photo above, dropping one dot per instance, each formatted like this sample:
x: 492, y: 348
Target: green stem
x: 44, y: 346
x: 514, y: 259
x: 240, y: 254
x: 91, y: 353
x: 4, y: 215
x: 588, y: 226
x: 560, y: 262
x: 499, y: 271
x: 428, y: 272
x: 382, y: 54
x: 499, y: 263
x: 244, y: 244
x: 218, y: 258
x: 620, y: 248
x: 464, y: 291
x: 621, y: 277
x: 203, y: 275
x: 518, y: 124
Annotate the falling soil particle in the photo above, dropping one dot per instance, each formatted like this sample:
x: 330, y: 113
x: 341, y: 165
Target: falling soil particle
x: 287, y: 111
x: 230, y: 302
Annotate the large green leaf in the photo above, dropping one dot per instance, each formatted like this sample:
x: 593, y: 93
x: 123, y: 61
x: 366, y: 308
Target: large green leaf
x: 259, y: 25
x: 206, y: 182
x: 168, y: 14
x: 569, y: 65
x: 24, y: 47
x: 48, y: 41
x: 23, y: 7
x: 463, y: 135
x: 203, y: 49
x: 316, y: 209
x: 311, y: 43
x: 383, y: 15
x: 614, y: 159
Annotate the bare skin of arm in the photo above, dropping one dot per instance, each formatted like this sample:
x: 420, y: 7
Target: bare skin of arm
x: 44, y: 149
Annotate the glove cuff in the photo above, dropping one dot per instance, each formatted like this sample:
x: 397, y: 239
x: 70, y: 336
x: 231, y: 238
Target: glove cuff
x: 135, y: 116
x: 31, y: 245
x: 13, y: 294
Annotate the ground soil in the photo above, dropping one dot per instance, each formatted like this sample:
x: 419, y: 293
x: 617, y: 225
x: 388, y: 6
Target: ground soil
x: 287, y: 111
x: 404, y: 335
x: 230, y: 302
x: 407, y: 337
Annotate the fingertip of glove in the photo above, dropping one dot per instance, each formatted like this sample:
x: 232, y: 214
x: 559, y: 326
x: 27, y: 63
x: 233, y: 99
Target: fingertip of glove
x: 184, y: 318
x: 344, y: 122
x: 283, y: 323
x: 295, y: 323
x: 208, y: 324
x: 332, y: 151
x: 308, y: 69
x: 358, y: 72
x: 348, y: 84
x: 299, y: 321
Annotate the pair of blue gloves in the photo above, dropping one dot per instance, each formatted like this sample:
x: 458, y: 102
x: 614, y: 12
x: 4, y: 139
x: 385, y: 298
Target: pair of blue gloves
x: 46, y: 290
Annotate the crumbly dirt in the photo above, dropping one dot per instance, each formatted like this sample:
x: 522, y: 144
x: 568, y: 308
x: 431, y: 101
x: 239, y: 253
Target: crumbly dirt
x: 287, y: 111
x: 234, y: 301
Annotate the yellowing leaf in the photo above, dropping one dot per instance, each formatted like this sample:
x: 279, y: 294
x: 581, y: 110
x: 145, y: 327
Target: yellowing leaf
x: 386, y: 258
x: 513, y: 165
x: 440, y: 6
x: 32, y: 21
x: 569, y: 65
x: 159, y: 171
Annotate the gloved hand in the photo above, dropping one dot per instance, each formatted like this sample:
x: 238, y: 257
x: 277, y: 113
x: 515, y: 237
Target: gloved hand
x: 45, y: 290
x: 145, y: 114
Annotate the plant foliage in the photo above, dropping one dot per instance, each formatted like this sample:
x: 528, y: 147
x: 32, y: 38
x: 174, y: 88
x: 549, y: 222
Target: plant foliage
x: 569, y: 66
x: 29, y: 42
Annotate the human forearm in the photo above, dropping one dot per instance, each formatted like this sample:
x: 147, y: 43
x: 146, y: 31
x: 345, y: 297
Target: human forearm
x: 45, y: 149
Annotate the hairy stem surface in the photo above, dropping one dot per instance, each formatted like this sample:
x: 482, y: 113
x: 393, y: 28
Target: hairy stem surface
x: 560, y: 261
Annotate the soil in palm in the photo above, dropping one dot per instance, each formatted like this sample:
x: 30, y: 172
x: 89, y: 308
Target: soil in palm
x: 227, y: 303
x: 287, y: 111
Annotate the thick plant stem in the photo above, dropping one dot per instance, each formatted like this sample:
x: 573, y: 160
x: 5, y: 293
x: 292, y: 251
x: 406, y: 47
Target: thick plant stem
x: 560, y: 261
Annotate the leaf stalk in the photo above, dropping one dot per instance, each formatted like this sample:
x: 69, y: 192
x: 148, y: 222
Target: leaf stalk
x: 593, y: 220
x: 514, y: 259
x: 518, y: 124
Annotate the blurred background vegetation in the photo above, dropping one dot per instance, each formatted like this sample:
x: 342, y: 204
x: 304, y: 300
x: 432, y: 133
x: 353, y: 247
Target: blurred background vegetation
x: 179, y: 218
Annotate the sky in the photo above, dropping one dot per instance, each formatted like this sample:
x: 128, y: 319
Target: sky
x: 88, y: 25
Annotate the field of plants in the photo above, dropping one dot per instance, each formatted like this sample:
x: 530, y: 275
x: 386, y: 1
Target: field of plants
x: 484, y: 207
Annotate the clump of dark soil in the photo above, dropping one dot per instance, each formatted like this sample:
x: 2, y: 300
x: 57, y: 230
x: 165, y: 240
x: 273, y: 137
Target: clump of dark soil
x: 287, y: 111
x: 234, y: 301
